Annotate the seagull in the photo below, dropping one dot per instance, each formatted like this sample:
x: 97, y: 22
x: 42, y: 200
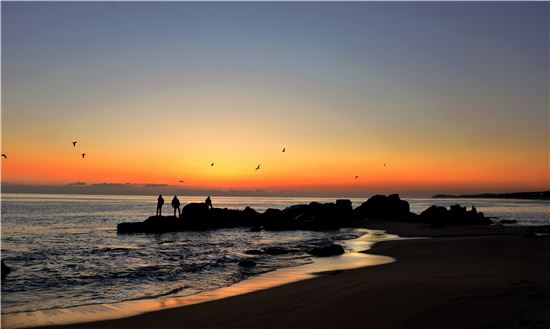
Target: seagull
x: 83, y: 155
x: 258, y: 167
x: 4, y: 156
x: 74, y: 144
x: 284, y: 148
x: 212, y: 164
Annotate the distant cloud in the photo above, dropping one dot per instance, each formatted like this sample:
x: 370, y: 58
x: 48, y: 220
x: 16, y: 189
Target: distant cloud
x: 76, y: 184
x: 155, y: 185
x: 113, y: 185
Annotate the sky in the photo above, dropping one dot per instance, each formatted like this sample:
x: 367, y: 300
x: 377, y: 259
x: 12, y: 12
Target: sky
x: 415, y: 98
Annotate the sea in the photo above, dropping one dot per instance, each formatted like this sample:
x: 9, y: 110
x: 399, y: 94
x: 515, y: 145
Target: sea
x: 65, y: 251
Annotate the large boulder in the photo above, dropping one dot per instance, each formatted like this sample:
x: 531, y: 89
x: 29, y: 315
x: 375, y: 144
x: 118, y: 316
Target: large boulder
x: 194, y: 211
x: 327, y: 251
x: 383, y: 207
x: 5, y: 270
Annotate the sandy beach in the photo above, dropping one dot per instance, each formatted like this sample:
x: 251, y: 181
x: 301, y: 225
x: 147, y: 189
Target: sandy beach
x: 461, y: 277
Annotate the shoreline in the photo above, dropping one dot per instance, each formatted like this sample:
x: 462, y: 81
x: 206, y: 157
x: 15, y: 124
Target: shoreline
x: 111, y: 311
x: 475, y: 277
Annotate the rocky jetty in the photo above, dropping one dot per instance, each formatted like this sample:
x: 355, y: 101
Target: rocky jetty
x: 312, y: 216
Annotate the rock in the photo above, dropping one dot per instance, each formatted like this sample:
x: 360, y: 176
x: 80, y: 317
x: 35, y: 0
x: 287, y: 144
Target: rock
x: 195, y: 215
x: 383, y: 207
x: 438, y: 216
x: 508, y: 221
x: 254, y: 252
x: 247, y: 263
x: 275, y: 220
x: 332, y: 250
x: 153, y: 224
x: 434, y: 214
x: 5, y: 270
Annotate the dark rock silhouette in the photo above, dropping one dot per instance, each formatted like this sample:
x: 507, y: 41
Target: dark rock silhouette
x: 5, y: 270
x: 312, y: 216
x: 332, y: 250
x: 508, y: 221
x: 254, y: 252
x: 383, y: 207
x: 153, y: 224
x: 247, y: 263
x: 456, y: 215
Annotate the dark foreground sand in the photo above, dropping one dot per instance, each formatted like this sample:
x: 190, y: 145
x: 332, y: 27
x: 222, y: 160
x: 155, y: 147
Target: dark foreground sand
x: 467, y: 277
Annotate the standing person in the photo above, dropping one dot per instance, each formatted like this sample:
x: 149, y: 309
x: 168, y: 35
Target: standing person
x: 160, y: 202
x: 176, y: 205
x: 208, y: 202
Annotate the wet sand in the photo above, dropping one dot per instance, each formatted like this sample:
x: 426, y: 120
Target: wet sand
x: 463, y: 277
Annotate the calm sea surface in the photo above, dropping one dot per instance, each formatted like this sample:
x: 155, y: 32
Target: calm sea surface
x: 65, y: 250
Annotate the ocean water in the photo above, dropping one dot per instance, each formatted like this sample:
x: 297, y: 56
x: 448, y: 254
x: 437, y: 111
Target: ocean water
x: 66, y: 252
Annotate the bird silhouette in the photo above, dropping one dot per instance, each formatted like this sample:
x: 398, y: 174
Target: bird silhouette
x: 4, y: 156
x: 74, y: 144
x: 356, y: 177
x: 83, y: 155
x: 258, y: 167
x: 182, y: 181
x: 212, y: 164
x: 284, y: 149
x: 384, y: 164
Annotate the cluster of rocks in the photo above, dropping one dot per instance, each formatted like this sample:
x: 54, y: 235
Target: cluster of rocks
x: 437, y: 215
x: 312, y: 216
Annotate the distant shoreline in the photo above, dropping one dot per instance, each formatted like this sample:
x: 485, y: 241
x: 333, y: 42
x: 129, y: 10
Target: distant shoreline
x: 543, y: 195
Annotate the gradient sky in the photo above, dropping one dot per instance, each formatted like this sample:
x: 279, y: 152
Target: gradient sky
x: 452, y: 97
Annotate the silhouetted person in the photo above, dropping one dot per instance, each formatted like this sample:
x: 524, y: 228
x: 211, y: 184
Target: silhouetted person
x: 208, y: 202
x: 160, y: 202
x: 176, y: 205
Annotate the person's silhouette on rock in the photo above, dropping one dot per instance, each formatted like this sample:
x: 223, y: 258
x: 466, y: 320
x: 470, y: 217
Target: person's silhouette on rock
x: 160, y: 202
x: 176, y: 205
x: 208, y: 202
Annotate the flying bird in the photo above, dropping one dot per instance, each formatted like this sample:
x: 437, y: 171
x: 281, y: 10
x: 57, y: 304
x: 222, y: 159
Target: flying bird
x: 212, y: 164
x: 74, y: 144
x: 284, y: 149
x: 83, y: 155
x: 258, y: 167
x: 4, y: 156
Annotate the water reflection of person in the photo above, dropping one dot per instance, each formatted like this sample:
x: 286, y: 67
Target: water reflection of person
x: 208, y: 202
x: 176, y: 205
x: 160, y: 202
